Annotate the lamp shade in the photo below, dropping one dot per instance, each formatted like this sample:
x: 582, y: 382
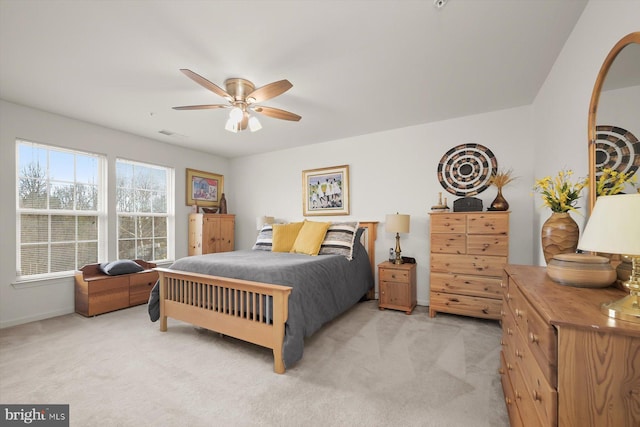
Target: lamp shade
x: 397, y: 223
x: 262, y: 220
x: 613, y: 226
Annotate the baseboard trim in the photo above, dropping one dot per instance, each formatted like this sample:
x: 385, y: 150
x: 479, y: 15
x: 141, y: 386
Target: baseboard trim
x: 36, y: 317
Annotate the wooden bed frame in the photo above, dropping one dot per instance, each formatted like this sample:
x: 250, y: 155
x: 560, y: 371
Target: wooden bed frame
x: 220, y: 304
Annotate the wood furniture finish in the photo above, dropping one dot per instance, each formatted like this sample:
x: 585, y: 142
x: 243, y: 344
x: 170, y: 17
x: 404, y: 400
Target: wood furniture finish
x: 468, y: 253
x: 563, y: 362
x: 184, y: 296
x: 211, y: 233
x: 97, y: 292
x: 397, y: 286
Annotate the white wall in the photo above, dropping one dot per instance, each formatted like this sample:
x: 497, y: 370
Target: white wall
x: 390, y: 171
x: 393, y: 171
x: 27, y: 302
x: 561, y: 109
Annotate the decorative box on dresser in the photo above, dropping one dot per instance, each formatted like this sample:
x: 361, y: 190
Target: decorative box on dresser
x: 563, y: 362
x: 468, y: 253
x: 211, y: 233
x: 397, y: 286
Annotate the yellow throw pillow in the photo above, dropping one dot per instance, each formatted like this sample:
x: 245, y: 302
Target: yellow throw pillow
x: 284, y: 235
x: 310, y: 238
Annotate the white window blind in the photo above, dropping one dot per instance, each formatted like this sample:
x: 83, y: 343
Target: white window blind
x: 60, y: 209
x: 144, y: 205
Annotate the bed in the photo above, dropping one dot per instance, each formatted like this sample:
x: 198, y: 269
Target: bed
x: 271, y: 299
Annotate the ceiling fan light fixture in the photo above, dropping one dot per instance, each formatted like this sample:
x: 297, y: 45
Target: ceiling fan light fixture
x: 231, y: 125
x: 236, y: 114
x: 254, y: 124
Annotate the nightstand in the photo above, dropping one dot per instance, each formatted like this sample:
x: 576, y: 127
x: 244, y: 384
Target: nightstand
x: 397, y: 286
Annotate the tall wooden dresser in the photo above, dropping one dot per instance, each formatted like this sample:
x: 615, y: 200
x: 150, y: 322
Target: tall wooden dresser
x: 468, y: 254
x: 211, y: 233
x: 563, y: 362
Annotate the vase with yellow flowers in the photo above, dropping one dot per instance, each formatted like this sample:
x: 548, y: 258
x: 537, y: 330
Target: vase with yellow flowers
x: 560, y: 232
x: 499, y: 180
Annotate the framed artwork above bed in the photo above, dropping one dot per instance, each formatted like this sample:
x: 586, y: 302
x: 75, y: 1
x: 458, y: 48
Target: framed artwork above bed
x: 204, y: 188
x: 325, y: 191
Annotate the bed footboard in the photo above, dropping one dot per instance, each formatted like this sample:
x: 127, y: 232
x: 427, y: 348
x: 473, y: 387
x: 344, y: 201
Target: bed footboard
x: 250, y: 311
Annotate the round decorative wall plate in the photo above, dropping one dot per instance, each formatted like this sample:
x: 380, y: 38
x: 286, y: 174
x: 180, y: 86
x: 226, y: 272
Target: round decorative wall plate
x: 617, y: 149
x: 465, y: 169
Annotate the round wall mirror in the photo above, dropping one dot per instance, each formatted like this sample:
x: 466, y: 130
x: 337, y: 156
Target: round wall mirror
x: 614, y: 128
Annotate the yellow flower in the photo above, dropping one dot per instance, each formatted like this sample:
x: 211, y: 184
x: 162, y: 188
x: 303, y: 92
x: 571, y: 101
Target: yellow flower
x: 613, y: 182
x: 559, y: 193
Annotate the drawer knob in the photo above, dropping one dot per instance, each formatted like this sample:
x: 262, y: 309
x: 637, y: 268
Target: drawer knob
x: 509, y: 331
x: 519, y: 354
x: 537, y: 396
x: 508, y: 401
x: 510, y: 366
x: 533, y: 337
x: 519, y: 313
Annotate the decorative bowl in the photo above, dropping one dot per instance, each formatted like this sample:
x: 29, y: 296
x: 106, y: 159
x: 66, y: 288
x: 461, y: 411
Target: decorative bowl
x: 581, y: 270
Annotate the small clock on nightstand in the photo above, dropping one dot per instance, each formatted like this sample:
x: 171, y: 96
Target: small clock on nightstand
x: 397, y: 286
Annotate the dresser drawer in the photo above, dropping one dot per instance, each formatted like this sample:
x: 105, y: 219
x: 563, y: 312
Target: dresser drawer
x: 478, y: 244
x: 449, y: 243
x: 538, y: 390
x: 509, y: 397
x: 479, y: 286
x: 488, y: 224
x: 391, y: 275
x: 448, y: 223
x: 485, y: 308
x: 542, y: 341
x: 468, y: 264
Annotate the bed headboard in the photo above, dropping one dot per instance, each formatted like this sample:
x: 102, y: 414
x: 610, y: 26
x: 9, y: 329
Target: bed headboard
x: 368, y: 240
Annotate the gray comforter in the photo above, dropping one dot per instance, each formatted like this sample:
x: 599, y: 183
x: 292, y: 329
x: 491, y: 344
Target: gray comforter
x: 323, y: 286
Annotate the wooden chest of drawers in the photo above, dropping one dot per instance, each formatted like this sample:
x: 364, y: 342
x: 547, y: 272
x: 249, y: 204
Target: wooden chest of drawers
x: 468, y: 253
x: 563, y: 363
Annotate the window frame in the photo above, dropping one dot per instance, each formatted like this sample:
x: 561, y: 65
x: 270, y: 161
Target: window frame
x: 100, y: 212
x: 169, y: 214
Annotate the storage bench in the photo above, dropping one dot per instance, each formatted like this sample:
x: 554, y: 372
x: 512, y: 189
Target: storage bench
x: 97, y: 292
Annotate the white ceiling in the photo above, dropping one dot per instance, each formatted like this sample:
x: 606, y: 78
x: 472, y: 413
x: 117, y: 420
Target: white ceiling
x: 357, y: 67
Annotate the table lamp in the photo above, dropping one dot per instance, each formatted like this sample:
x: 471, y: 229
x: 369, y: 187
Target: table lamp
x: 614, y: 228
x: 397, y: 223
x: 262, y: 220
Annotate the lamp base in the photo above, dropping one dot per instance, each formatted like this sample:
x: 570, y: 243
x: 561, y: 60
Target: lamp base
x: 624, y: 309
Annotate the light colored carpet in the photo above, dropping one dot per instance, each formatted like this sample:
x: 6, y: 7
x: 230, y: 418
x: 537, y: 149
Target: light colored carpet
x: 366, y: 368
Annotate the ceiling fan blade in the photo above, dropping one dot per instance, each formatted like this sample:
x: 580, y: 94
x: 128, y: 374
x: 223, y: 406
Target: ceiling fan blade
x: 277, y: 113
x: 269, y: 91
x: 202, y: 107
x: 206, y: 83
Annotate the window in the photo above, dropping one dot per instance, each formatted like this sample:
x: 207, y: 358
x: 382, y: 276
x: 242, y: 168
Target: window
x: 60, y: 209
x: 144, y: 204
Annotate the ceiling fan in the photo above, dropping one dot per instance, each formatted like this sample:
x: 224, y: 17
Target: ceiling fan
x: 243, y: 97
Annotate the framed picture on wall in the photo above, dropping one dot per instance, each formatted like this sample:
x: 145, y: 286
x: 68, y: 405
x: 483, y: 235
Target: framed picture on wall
x: 204, y: 188
x: 325, y: 191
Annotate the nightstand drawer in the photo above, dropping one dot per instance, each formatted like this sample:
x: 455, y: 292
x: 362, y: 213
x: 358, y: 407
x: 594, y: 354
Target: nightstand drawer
x: 392, y: 275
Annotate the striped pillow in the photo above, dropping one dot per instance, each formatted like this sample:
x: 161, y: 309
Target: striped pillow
x: 264, y: 242
x: 339, y: 239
